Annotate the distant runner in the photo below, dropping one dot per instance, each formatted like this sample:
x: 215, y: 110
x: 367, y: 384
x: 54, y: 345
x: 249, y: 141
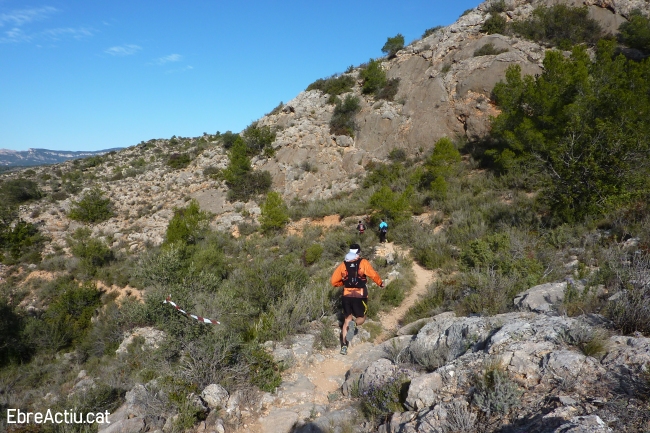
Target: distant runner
x: 383, y: 229
x: 353, y: 275
x: 361, y: 227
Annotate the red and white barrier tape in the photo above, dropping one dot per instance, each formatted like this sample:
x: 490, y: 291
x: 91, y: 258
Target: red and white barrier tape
x: 199, y: 318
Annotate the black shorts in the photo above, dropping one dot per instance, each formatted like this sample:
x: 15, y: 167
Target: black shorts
x: 358, y: 307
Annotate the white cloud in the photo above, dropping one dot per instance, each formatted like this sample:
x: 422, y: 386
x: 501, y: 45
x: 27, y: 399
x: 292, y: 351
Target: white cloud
x: 123, y: 50
x: 67, y: 31
x: 169, y: 58
x: 176, y: 71
x: 14, y: 35
x: 17, y: 35
x: 24, y: 16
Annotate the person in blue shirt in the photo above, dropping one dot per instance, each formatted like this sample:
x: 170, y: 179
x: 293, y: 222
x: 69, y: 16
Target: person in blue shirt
x: 383, y: 229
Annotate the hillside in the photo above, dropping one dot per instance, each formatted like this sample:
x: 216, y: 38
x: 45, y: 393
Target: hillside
x: 508, y: 153
x: 31, y: 157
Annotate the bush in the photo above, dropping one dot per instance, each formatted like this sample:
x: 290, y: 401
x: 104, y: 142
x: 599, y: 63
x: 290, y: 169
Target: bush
x: 250, y: 185
x: 178, y: 160
x: 22, y: 240
x: 497, y: 6
x: 334, y: 85
x: 228, y: 139
x: 92, y: 252
x: 630, y: 311
x: 13, y: 347
x: 585, y: 171
x: 559, y: 25
x: 489, y: 50
x: 274, y: 213
x: 495, y: 392
x: 187, y: 225
x: 389, y: 90
x: 635, y: 33
x: 342, y: 122
x: 16, y: 191
x: 374, y: 77
x: 382, y: 399
x: 67, y: 318
x: 591, y: 341
x: 242, y: 181
x: 432, y: 30
x: 264, y: 372
x: 393, y: 294
x: 92, y: 208
x: 259, y: 139
x: 313, y: 253
x: 495, y: 24
x: 394, y: 206
x: 393, y: 45
x: 397, y: 155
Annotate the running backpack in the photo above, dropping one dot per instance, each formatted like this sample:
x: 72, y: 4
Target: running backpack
x: 353, y: 279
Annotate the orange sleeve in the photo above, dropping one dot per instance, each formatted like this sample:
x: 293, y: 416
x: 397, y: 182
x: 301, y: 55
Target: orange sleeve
x: 368, y: 271
x: 337, y: 276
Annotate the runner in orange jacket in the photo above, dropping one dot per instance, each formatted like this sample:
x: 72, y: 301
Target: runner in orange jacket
x: 353, y: 275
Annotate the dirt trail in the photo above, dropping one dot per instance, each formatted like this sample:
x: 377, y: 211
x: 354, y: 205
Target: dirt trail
x: 423, y: 278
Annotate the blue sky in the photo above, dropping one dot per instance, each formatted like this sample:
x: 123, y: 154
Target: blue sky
x: 91, y: 75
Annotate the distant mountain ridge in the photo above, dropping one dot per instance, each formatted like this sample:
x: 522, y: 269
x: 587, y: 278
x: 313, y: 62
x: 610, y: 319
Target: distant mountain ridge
x: 33, y: 157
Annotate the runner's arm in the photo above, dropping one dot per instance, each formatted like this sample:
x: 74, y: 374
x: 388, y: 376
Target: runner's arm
x: 369, y: 272
x: 337, y: 276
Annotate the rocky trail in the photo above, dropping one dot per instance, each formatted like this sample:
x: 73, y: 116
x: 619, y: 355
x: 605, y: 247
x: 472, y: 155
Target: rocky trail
x: 312, y: 389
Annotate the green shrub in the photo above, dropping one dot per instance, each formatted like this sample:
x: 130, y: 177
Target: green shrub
x: 432, y: 30
x: 178, y: 160
x: 92, y: 252
x: 389, y: 90
x: 393, y: 45
x: 397, y: 155
x: 264, y: 372
x: 313, y: 253
x: 559, y: 25
x: 334, y: 85
x: 392, y: 205
x: 495, y: 24
x: 635, y: 33
x: 242, y: 181
x: 22, y: 240
x: 342, y: 122
x: 497, y: 7
x: 585, y: 171
x: 67, y: 318
x: 381, y: 399
x: 591, y: 341
x: 444, y: 160
x: 393, y: 294
x: 250, y: 185
x: 259, y: 139
x: 16, y: 191
x: 13, y: 347
x: 374, y: 77
x: 426, y: 306
x: 489, y: 50
x: 630, y: 311
x: 495, y: 392
x: 92, y: 208
x: 187, y: 225
x: 274, y: 213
